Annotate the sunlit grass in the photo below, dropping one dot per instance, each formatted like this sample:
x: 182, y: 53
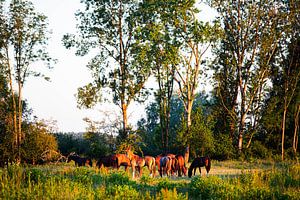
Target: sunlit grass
x: 65, y: 181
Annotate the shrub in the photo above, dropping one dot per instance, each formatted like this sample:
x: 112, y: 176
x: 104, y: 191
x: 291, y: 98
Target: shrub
x: 258, y: 150
x: 166, y: 194
x: 212, y: 188
x: 119, y: 178
x: 122, y: 192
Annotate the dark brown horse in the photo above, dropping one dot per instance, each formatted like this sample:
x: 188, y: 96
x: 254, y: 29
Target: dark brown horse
x: 137, y: 162
x: 198, y: 163
x: 181, y: 165
x: 150, y: 163
x: 107, y: 161
x: 79, y: 161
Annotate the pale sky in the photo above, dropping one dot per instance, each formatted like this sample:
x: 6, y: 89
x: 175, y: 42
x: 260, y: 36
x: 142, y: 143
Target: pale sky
x: 55, y: 100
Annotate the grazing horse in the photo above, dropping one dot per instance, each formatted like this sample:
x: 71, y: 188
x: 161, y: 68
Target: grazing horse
x: 137, y: 162
x: 200, y: 162
x: 79, y: 161
x: 150, y: 163
x: 107, y: 161
x: 165, y: 166
x: 181, y: 165
x: 122, y: 160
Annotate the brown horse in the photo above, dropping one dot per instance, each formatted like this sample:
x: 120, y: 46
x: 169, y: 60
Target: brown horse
x: 79, y: 161
x: 122, y: 160
x: 165, y: 166
x: 181, y: 165
x: 150, y: 163
x: 200, y: 162
x: 137, y: 162
x: 107, y: 161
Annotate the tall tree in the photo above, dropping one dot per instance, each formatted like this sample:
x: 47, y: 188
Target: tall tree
x: 197, y: 37
x: 161, y: 41
x: 290, y: 68
x: 109, y: 26
x: 24, y: 43
x: 252, y: 33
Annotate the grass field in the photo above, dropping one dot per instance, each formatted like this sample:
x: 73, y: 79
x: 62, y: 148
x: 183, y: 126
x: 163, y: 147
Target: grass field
x: 227, y: 180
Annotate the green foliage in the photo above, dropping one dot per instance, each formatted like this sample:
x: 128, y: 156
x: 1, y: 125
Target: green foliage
x: 223, y: 147
x: 170, y: 195
x: 122, y: 192
x: 37, y: 142
x: 258, y: 150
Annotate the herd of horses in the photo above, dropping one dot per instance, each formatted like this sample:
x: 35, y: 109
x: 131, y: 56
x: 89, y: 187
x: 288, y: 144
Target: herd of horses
x: 166, y: 164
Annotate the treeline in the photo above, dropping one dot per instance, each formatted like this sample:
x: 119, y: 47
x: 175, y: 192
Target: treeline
x: 254, y: 104
x: 252, y: 110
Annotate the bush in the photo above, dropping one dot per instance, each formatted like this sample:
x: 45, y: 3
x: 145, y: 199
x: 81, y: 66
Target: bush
x: 212, y: 188
x: 122, y: 192
x: 120, y: 178
x: 258, y: 150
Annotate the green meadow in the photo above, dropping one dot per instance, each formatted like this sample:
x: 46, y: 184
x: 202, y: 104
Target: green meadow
x: 227, y: 180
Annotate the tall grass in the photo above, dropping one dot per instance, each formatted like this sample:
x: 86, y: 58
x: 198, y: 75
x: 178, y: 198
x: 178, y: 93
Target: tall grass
x: 66, y: 182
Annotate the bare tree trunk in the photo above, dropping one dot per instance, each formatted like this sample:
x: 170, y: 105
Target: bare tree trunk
x: 20, y: 135
x: 283, y: 131
x: 125, y: 118
x: 15, y: 127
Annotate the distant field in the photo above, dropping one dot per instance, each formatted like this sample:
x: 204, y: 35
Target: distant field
x: 227, y: 180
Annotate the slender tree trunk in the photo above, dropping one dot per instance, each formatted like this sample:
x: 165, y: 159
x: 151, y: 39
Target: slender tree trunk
x: 283, y: 131
x: 125, y: 118
x: 295, y: 140
x: 122, y: 70
x: 14, y: 105
x: 20, y: 134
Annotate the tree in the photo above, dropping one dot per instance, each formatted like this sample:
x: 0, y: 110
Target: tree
x: 24, y: 39
x: 160, y: 37
x: 197, y: 37
x: 252, y: 31
x: 291, y: 70
x: 109, y: 26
